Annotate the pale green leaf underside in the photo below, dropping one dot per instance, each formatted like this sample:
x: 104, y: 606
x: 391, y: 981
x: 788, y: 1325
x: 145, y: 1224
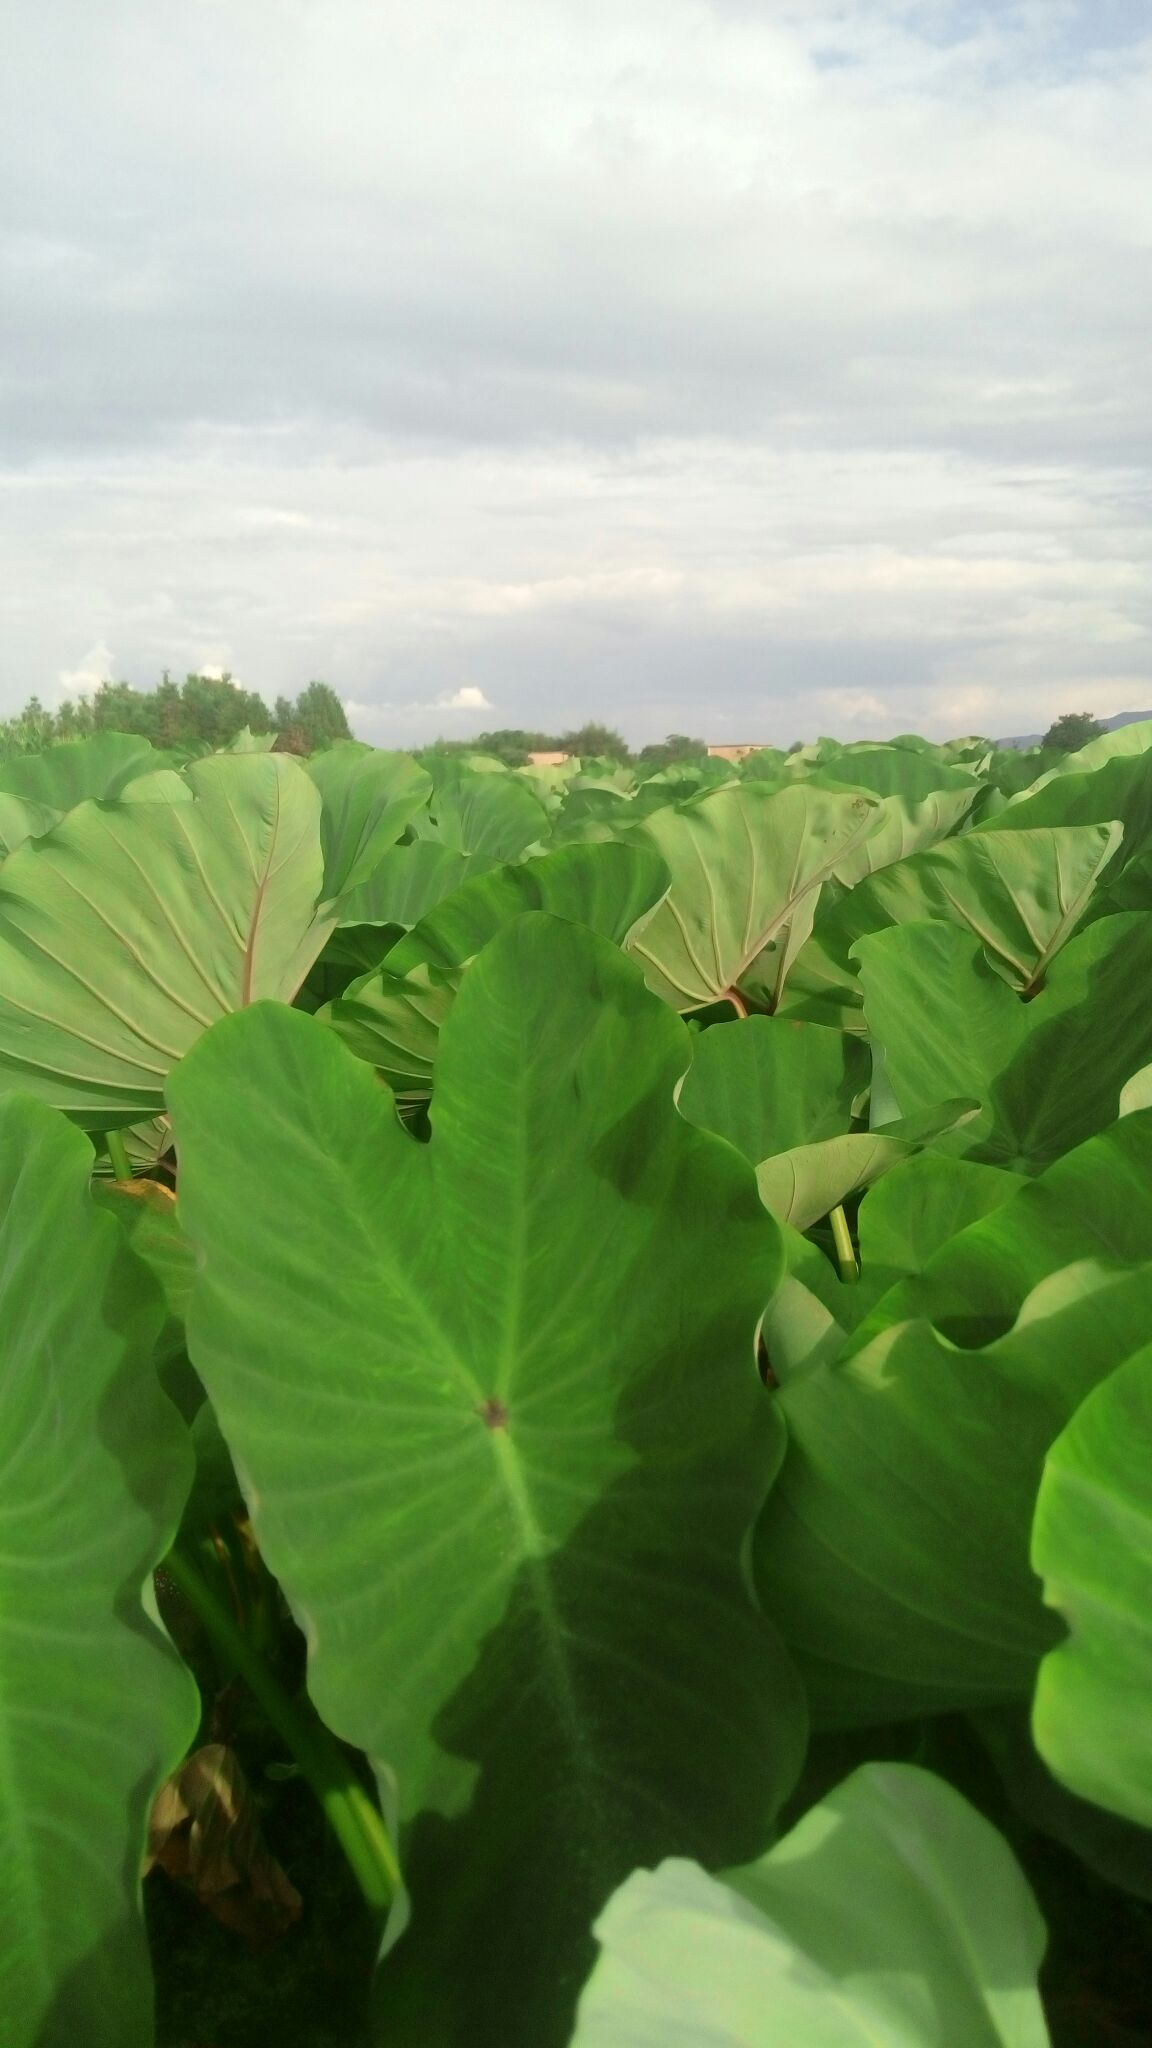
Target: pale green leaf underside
x: 1022, y: 894
x: 747, y: 866
x: 132, y: 927
x: 892, y: 1916
x: 803, y: 1184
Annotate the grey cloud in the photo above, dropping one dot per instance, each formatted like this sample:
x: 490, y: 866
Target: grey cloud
x: 331, y: 334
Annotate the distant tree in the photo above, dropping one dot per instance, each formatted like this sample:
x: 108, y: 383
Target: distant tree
x: 598, y: 740
x: 677, y: 747
x: 513, y: 745
x: 316, y: 719
x: 1072, y: 731
x: 442, y: 750
x: 29, y: 732
x: 202, y: 713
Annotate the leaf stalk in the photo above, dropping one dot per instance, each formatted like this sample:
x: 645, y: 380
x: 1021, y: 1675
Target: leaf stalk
x: 118, y: 1154
x: 846, y: 1258
x: 351, y: 1814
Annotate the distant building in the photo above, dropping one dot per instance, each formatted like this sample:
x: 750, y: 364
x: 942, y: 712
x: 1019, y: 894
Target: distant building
x: 734, y: 752
x: 553, y: 760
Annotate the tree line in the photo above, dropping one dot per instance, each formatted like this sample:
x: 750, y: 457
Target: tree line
x: 513, y: 745
x: 208, y: 712
x: 201, y: 712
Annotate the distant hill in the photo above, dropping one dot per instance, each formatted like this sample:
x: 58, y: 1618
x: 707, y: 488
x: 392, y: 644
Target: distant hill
x: 1033, y: 739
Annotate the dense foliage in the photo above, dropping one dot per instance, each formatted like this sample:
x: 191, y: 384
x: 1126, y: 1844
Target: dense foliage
x: 202, y: 712
x: 576, y: 1405
x: 1072, y: 731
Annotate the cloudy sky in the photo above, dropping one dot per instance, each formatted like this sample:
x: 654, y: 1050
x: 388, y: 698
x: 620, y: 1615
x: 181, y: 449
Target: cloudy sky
x: 737, y: 367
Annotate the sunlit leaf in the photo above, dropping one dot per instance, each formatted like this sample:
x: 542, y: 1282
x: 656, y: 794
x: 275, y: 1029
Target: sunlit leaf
x: 494, y: 1402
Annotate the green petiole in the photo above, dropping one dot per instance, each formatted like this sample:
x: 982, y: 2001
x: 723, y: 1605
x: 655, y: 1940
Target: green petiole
x: 118, y: 1154
x: 351, y: 1814
x: 846, y: 1258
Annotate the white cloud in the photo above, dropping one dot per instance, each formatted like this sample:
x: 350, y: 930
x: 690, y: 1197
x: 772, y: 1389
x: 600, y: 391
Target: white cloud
x: 467, y: 699
x: 94, y: 668
x: 685, y: 364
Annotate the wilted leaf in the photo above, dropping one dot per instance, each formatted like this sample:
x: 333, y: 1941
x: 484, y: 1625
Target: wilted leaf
x: 205, y: 1832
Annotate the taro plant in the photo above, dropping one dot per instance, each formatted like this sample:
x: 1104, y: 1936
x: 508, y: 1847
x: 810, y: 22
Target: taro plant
x: 575, y: 1414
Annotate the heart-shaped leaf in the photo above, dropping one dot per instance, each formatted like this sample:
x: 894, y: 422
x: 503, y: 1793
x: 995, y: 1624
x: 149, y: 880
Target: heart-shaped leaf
x: 494, y: 1402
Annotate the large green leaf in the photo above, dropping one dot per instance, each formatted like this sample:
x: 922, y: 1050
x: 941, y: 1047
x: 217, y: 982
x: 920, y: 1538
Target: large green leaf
x: 611, y: 889
x: 21, y: 819
x: 1121, y: 788
x: 72, y: 771
x: 494, y: 815
x: 893, y: 1552
x: 407, y: 882
x: 94, y: 1706
x: 801, y: 1185
x: 494, y: 1402
x: 767, y: 1084
x: 1121, y: 741
x: 747, y: 866
x: 946, y: 1022
x: 1089, y: 1031
x: 368, y: 798
x: 1049, y: 1071
x: 1095, y: 1203
x: 1116, y: 1849
x: 886, y: 770
x: 912, y: 1213
x: 1092, y: 1545
x: 904, y: 828
x: 892, y: 1916
x: 923, y: 799
x: 132, y: 926
x: 1021, y: 894
x: 392, y: 1015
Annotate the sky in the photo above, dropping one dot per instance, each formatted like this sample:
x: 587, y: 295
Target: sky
x: 739, y: 368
